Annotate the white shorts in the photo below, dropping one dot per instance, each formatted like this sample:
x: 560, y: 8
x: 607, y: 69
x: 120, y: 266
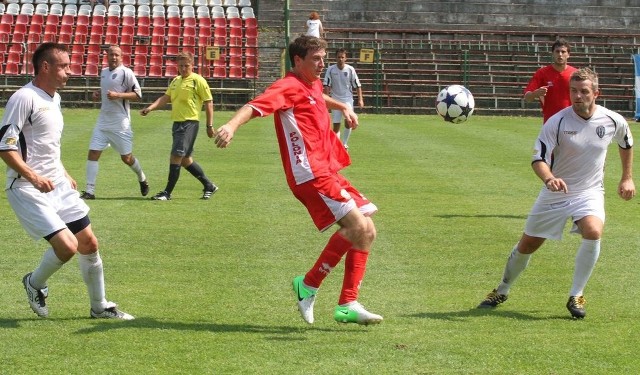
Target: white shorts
x: 550, y: 212
x: 44, y: 213
x: 336, y: 115
x: 120, y: 140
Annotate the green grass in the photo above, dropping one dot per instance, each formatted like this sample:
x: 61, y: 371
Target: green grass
x: 209, y: 282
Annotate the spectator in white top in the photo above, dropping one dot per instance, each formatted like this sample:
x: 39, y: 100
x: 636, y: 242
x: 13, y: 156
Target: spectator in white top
x: 314, y: 26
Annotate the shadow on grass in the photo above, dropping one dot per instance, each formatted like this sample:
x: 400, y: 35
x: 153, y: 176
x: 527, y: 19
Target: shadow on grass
x: 150, y: 323
x: 482, y: 216
x: 475, y: 313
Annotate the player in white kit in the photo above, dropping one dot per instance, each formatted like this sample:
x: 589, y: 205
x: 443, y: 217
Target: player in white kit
x: 39, y: 190
x: 118, y: 87
x: 339, y: 82
x: 569, y: 158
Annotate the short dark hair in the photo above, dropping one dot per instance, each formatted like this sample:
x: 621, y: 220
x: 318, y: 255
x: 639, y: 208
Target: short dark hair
x: 303, y: 44
x: 341, y: 50
x: 44, y: 52
x: 561, y: 42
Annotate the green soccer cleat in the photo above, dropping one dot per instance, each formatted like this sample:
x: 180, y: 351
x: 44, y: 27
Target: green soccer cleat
x: 306, y: 298
x: 354, y: 312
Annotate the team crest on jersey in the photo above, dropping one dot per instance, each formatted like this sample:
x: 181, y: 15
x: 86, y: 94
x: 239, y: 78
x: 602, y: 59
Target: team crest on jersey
x: 114, y: 76
x: 600, y: 131
x: 11, y: 141
x: 312, y: 100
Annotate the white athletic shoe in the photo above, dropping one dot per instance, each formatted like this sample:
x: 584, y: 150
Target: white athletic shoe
x: 36, y: 297
x: 111, y: 312
x: 354, y: 312
x: 306, y: 299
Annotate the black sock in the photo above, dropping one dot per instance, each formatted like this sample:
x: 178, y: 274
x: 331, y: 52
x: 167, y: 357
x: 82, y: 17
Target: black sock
x: 174, y: 175
x: 198, y: 173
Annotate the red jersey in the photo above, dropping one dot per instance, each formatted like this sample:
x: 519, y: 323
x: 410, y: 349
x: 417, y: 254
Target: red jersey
x: 557, y: 97
x: 308, y: 146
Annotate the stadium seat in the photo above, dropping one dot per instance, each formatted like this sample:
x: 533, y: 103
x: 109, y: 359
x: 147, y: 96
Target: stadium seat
x: 140, y: 65
x: 171, y: 71
x: 11, y: 69
x: 157, y: 40
x: 235, y: 72
x: 251, y: 72
x: 204, y: 23
x: 173, y: 30
x: 128, y: 20
x: 251, y: 61
x: 67, y: 19
x: 93, y: 59
x: 188, y: 21
x: 235, y: 61
x: 174, y: 21
x: 250, y: 32
x: 157, y: 50
x: 250, y: 52
x: 53, y: 38
x: 219, y: 22
x: 235, y: 23
x: 189, y: 31
x: 250, y: 23
x: 219, y: 41
x: 70, y: 9
x: 219, y: 72
x: 244, y: 3
x: 155, y: 70
x: 14, y: 57
x: 77, y: 59
x: 76, y: 70
x: 230, y: 3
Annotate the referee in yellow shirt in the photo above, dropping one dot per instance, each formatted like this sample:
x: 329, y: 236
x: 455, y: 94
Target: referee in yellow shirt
x: 186, y: 93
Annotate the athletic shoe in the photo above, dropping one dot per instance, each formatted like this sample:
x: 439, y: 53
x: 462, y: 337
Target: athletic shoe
x: 144, y: 188
x: 87, y: 196
x: 306, y: 299
x: 493, y: 299
x: 36, y: 297
x: 209, y: 191
x: 575, y: 305
x: 111, y: 312
x: 162, y: 196
x: 354, y: 312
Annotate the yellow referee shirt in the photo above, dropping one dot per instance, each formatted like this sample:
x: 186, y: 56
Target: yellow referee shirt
x: 187, y: 96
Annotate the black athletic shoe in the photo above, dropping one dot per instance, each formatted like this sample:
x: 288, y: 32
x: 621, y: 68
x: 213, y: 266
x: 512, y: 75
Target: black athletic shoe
x: 144, y: 188
x: 87, y: 196
x: 209, y: 191
x: 493, y: 299
x: 575, y: 305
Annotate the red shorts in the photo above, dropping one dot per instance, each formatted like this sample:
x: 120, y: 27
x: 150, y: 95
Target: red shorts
x: 328, y: 199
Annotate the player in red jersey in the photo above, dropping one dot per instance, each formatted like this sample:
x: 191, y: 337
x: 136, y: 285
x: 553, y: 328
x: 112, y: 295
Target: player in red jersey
x: 550, y: 84
x: 312, y: 156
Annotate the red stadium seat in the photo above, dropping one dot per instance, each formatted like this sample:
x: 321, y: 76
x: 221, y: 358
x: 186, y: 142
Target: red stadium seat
x: 219, y: 72
x: 91, y: 70
x: 251, y: 72
x: 155, y: 71
x: 76, y: 70
x: 235, y: 72
x: 171, y: 71
x: 12, y: 69
x: 128, y: 21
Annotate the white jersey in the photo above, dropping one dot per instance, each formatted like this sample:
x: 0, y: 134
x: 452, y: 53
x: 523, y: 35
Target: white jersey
x: 313, y: 28
x: 341, y: 81
x: 576, y: 148
x: 116, y: 114
x: 32, y: 125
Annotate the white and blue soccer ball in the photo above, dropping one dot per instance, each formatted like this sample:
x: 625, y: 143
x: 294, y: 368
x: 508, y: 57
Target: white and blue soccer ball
x: 455, y: 103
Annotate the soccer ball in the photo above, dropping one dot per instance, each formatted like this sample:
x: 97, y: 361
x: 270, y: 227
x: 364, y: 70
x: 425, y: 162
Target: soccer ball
x: 455, y: 104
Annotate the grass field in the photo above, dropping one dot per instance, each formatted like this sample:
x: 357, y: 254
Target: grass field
x: 209, y: 282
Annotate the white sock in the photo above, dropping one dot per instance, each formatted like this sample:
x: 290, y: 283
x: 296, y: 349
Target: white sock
x: 346, y: 135
x: 93, y: 275
x: 137, y: 168
x: 92, y: 176
x: 586, y: 259
x: 49, y: 264
x: 516, y: 263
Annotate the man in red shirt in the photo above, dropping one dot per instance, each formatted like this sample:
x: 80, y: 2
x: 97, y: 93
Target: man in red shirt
x: 550, y: 84
x: 312, y: 155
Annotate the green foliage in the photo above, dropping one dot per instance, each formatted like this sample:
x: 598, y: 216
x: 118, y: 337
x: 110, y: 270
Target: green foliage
x: 209, y: 281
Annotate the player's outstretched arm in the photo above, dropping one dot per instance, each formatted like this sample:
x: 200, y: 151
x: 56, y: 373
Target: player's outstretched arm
x: 225, y: 133
x: 160, y: 102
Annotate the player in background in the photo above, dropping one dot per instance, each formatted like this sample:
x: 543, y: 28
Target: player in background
x: 578, y: 136
x: 339, y: 81
x: 186, y: 93
x: 39, y: 189
x: 118, y: 87
x: 312, y: 157
x: 550, y: 84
